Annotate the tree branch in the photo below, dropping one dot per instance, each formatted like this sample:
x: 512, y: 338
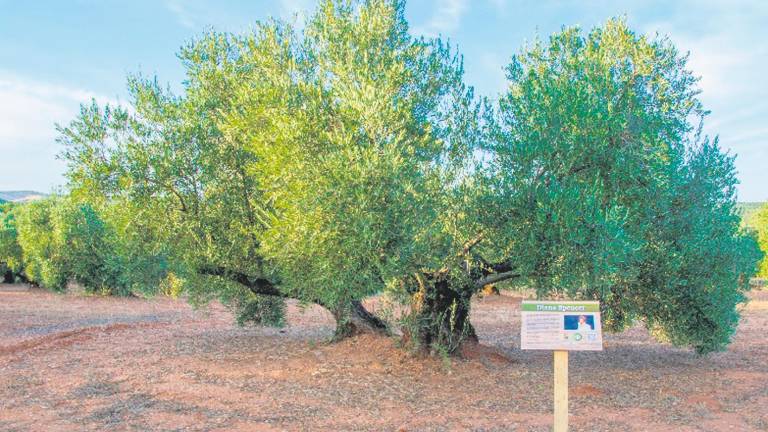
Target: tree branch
x: 501, y: 267
x: 496, y: 277
x: 472, y: 243
x: 261, y: 286
x: 359, y: 318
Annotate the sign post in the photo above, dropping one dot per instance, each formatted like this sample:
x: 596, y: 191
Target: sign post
x: 561, y: 326
x: 561, y: 391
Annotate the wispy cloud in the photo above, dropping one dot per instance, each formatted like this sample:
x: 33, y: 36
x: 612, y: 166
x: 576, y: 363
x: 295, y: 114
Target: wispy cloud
x: 447, y: 17
x: 719, y: 59
x: 183, y: 14
x: 733, y: 80
x: 30, y: 107
x: 292, y: 7
x: 201, y: 14
x: 28, y: 115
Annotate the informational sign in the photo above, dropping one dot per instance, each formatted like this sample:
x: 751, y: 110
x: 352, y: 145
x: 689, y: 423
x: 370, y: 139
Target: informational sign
x: 561, y: 326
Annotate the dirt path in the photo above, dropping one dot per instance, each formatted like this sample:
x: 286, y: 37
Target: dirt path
x: 64, y: 338
x: 72, y: 363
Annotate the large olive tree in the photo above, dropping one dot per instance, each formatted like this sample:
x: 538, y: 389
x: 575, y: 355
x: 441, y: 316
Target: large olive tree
x: 605, y: 189
x: 595, y: 183
x: 317, y: 165
x: 361, y: 154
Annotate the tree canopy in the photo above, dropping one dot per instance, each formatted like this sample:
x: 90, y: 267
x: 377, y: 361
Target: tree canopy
x: 608, y: 190
x: 762, y: 233
x: 11, y: 261
x: 63, y: 241
x: 349, y: 159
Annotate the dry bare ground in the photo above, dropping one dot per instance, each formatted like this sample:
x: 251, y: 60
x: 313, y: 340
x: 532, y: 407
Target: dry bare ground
x: 88, y: 364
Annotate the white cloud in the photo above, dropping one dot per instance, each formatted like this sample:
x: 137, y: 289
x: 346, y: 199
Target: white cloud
x: 181, y: 11
x: 28, y: 115
x: 198, y: 15
x: 720, y: 60
x: 733, y: 83
x: 447, y: 17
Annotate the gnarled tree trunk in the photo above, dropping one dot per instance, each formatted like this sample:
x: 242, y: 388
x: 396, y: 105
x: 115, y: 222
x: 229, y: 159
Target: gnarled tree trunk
x: 439, y: 318
x: 439, y: 321
x: 355, y: 319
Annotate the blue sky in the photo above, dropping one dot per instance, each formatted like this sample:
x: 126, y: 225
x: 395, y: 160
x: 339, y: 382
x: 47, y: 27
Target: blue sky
x: 55, y: 54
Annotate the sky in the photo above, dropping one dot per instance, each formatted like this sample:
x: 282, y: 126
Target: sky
x: 56, y: 54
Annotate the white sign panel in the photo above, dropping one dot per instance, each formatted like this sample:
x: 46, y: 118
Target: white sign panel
x: 561, y: 326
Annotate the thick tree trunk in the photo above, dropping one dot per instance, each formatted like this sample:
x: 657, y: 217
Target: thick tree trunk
x: 440, y: 321
x: 355, y: 319
x: 8, y: 277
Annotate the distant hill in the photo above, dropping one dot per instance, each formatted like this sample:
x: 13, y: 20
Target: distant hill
x: 749, y: 212
x: 20, y: 196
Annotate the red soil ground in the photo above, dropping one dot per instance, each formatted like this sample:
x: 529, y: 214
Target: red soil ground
x: 71, y: 363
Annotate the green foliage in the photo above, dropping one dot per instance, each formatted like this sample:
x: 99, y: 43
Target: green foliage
x: 43, y: 260
x: 610, y: 193
x: 360, y: 175
x: 10, y: 251
x: 63, y: 240
x: 261, y: 310
x: 308, y: 160
x: 761, y: 220
x: 248, y: 308
x: 174, y: 187
x: 141, y: 263
x: 349, y: 158
x: 749, y: 212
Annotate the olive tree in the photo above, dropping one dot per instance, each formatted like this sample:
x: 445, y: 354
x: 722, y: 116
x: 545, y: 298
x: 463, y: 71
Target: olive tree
x: 605, y: 189
x: 65, y: 241
x: 762, y: 234
x: 170, y: 182
x: 10, y: 251
x: 361, y: 155
x: 294, y: 164
x: 596, y: 183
